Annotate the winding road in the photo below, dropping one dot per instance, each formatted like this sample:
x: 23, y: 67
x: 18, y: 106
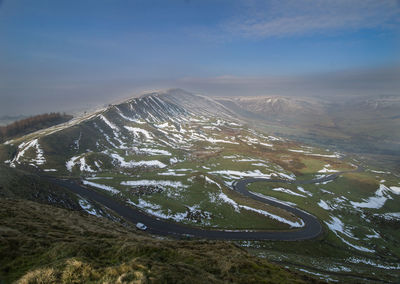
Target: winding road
x: 311, y: 229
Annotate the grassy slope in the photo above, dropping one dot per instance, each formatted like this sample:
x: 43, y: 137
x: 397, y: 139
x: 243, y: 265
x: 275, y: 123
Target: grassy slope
x: 351, y: 185
x: 19, y: 184
x: 73, y: 247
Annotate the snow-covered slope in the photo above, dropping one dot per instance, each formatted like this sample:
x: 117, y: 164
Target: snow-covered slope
x: 122, y: 134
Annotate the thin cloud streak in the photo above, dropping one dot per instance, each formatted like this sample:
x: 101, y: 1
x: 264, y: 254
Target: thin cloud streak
x: 304, y: 17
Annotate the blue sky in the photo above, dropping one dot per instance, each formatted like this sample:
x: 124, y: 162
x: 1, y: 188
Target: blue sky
x: 99, y: 50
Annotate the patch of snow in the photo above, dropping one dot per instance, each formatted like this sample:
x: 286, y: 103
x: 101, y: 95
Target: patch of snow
x: 76, y: 142
x: 377, y: 201
x: 375, y: 235
x: 324, y: 205
x: 379, y: 172
x: 323, y: 276
x: 234, y: 124
x: 260, y: 165
x: 327, y: 169
x: 249, y: 160
x: 290, y: 177
x: 337, y: 226
x: 325, y: 191
x: 395, y: 189
x: 171, y: 172
x: 301, y: 189
x: 288, y: 191
x: 372, y: 263
x: 336, y: 155
x: 212, y: 127
x: 222, y: 196
x: 390, y: 216
x: 273, y: 138
x: 137, y: 131
x: 132, y: 164
x: 153, y: 152
x: 130, y: 118
x: 273, y: 198
x: 85, y: 205
x: 275, y: 217
x: 111, y: 125
x: 156, y: 210
x: 212, y: 140
x: 208, y: 180
x: 101, y: 186
x: 71, y: 163
x: 97, y: 165
x: 298, y: 151
x: 23, y: 147
x: 166, y: 183
x: 230, y: 157
x: 163, y: 125
x: 238, y: 174
x: 326, y: 182
x: 105, y: 135
x: 85, y: 167
x: 339, y: 269
x: 265, y: 144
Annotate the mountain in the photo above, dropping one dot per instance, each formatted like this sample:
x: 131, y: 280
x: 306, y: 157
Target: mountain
x: 356, y: 125
x: 275, y: 106
x: 175, y: 158
x: 379, y: 103
x: 197, y: 104
x: 88, y: 141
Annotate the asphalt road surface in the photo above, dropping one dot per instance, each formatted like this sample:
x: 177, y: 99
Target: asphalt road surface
x: 311, y: 229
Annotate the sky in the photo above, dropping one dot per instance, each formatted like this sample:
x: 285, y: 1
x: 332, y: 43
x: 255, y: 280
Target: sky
x: 68, y: 55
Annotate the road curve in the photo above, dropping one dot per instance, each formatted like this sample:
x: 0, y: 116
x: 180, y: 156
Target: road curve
x: 311, y: 229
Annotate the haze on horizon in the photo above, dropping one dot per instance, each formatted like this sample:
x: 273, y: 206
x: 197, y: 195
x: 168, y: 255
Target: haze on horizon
x: 67, y: 55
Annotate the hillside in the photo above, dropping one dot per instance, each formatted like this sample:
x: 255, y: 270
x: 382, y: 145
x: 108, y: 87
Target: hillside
x: 70, y: 247
x: 356, y: 125
x: 174, y: 158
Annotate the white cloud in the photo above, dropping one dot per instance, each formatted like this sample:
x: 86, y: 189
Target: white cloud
x: 302, y: 17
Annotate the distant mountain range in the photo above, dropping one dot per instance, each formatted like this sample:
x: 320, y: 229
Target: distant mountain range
x: 361, y: 125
